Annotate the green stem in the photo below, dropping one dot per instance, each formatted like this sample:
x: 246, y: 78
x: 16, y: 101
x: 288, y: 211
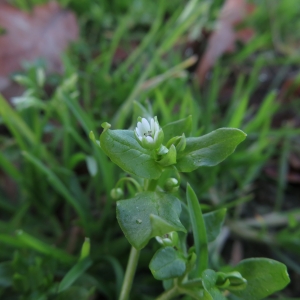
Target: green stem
x: 129, y: 275
x: 150, y: 184
x: 169, y: 294
x: 133, y: 181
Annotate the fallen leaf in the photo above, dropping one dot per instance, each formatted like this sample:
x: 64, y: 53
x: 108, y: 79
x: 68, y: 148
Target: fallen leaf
x: 290, y: 89
x: 224, y: 37
x: 293, y: 176
x: 43, y: 33
x: 294, y: 161
x: 237, y: 252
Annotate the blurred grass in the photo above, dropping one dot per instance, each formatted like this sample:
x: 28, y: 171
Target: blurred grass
x: 55, y: 183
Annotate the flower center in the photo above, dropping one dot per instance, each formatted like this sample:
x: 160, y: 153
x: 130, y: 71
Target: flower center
x: 149, y: 133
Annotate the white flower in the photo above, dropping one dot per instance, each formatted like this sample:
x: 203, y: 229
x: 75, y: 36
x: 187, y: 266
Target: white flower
x: 148, y: 133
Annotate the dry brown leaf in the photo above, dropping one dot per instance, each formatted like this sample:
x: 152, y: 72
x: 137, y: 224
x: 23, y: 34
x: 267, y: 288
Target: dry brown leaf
x: 43, y: 33
x: 237, y: 253
x: 293, y: 176
x: 294, y: 160
x: 223, y: 38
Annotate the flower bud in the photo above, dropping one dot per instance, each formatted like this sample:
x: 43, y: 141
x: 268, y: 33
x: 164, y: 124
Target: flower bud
x: 171, y: 239
x: 178, y: 141
x: 233, y: 281
x: 171, y: 185
x: 116, y: 193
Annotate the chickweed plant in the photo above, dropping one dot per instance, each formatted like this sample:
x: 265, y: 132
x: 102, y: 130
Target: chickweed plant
x: 154, y: 157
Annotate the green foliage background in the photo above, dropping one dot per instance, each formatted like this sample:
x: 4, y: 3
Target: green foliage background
x: 61, y: 182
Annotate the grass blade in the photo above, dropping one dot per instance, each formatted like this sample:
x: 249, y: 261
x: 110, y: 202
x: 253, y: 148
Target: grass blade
x: 199, y: 231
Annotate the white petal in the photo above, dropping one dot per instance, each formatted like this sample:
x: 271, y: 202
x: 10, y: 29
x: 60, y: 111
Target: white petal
x: 149, y: 139
x: 156, y: 127
x: 146, y: 126
x: 140, y: 128
x: 152, y: 125
x: 138, y: 132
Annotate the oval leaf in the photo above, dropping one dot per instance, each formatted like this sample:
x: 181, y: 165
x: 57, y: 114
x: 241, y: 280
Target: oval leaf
x: 209, y: 279
x: 147, y: 215
x: 264, y: 277
x: 124, y: 150
x: 177, y: 128
x: 167, y: 263
x: 210, y: 149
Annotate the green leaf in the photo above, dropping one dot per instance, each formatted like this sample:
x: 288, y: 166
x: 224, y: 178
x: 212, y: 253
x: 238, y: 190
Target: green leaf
x: 92, y: 166
x: 167, y: 263
x: 124, y: 150
x: 93, y: 139
x: 210, y: 149
x: 178, y: 141
x: 231, y: 281
x: 6, y: 274
x: 34, y: 243
x: 264, y: 277
x: 169, y: 158
x: 85, y: 249
x: 75, y: 292
x: 177, y: 128
x: 199, y: 230
x: 213, y: 223
x: 79, y: 205
x: 209, y: 279
x: 147, y: 215
x: 140, y: 111
x: 77, y: 270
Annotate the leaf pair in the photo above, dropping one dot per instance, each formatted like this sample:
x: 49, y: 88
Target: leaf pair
x: 123, y: 149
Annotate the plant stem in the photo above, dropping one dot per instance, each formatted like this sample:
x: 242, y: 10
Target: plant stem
x: 133, y: 181
x: 129, y: 275
x: 169, y: 294
x: 152, y: 185
x: 149, y: 185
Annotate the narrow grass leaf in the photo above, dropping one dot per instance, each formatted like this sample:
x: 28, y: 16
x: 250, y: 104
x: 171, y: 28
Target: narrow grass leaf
x: 16, y: 124
x: 266, y: 110
x: 239, y: 113
x: 199, y: 230
x: 60, y: 187
x: 78, y: 269
x: 37, y: 245
x: 9, y: 168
